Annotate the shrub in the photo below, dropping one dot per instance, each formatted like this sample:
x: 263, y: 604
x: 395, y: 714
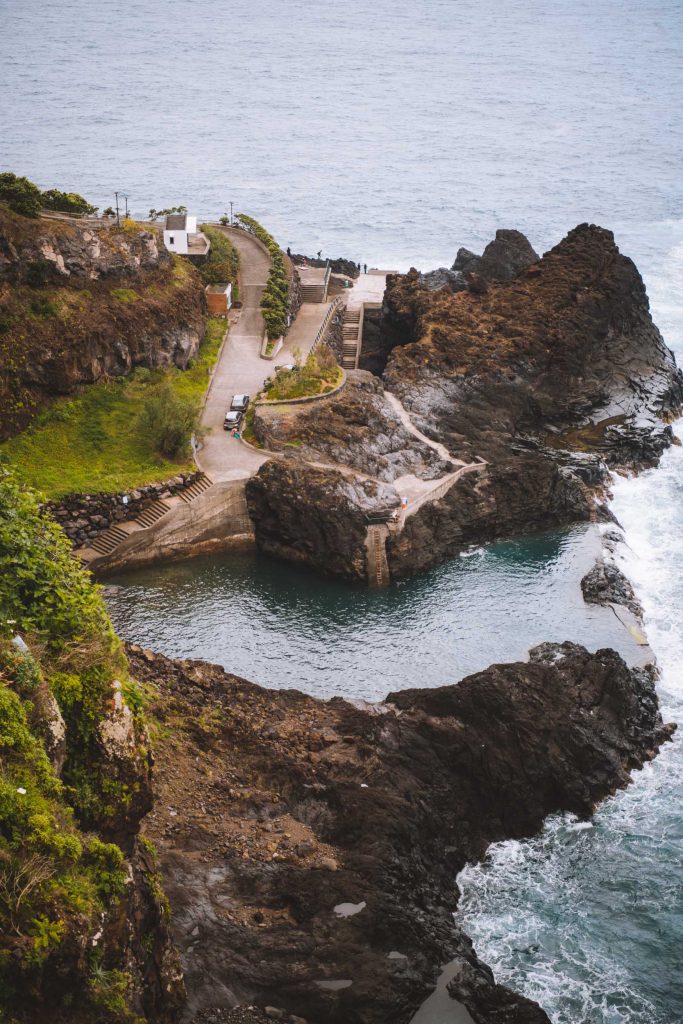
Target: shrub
x: 20, y: 194
x: 44, y: 308
x: 66, y: 202
x: 223, y: 263
x: 38, y: 273
x: 275, y: 300
x: 169, y: 420
x: 125, y: 294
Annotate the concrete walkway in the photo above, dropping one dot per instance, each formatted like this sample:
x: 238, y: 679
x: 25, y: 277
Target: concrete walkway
x: 240, y: 368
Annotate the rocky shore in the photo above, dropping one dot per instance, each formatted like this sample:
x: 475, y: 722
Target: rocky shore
x: 550, y: 370
x: 309, y: 848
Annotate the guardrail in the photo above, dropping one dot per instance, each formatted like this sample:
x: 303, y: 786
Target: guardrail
x: 322, y: 330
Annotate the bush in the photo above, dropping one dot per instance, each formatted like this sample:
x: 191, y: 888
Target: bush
x: 66, y: 202
x: 223, y: 263
x: 20, y: 194
x: 169, y: 420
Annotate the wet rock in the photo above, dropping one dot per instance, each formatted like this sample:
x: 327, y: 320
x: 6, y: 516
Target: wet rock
x: 606, y: 584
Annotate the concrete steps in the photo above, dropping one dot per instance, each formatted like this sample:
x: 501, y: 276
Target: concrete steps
x: 201, y: 484
x: 150, y: 515
x: 109, y: 540
x: 351, y: 337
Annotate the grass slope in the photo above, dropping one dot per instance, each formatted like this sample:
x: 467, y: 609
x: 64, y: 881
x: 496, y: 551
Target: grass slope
x: 94, y: 443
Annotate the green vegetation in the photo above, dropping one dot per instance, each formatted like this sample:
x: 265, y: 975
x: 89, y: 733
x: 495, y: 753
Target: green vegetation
x: 20, y: 194
x: 154, y: 214
x: 125, y: 294
x: 168, y: 420
x: 66, y: 202
x: 58, y: 877
x: 223, y: 263
x: 101, y: 436
x: 317, y: 376
x: 24, y: 197
x: 275, y: 301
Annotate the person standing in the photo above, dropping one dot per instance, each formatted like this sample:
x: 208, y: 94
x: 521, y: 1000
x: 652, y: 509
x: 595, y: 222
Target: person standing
x: 365, y: 268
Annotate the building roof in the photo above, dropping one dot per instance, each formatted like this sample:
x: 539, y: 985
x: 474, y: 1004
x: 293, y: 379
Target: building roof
x: 217, y: 289
x: 176, y: 221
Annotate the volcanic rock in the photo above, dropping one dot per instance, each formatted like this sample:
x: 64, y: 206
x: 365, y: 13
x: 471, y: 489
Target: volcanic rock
x: 272, y: 808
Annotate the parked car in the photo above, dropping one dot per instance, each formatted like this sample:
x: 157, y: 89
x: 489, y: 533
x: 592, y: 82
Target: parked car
x: 239, y: 403
x: 233, y: 419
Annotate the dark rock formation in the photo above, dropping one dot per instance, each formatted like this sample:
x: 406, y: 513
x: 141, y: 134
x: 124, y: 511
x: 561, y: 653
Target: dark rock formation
x: 79, y: 303
x: 503, y: 259
x: 356, y: 427
x: 317, y: 517
x: 302, y: 842
x: 606, y: 584
x: 550, y: 378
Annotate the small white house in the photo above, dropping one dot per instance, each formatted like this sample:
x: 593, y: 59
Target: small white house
x: 181, y: 235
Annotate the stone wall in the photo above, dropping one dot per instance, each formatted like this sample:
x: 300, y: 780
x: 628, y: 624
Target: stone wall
x: 84, y: 516
x: 334, y: 334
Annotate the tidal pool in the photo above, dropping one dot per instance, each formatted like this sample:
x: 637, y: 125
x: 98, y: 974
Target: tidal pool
x: 283, y: 626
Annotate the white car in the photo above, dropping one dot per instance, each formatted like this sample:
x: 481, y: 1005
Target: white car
x: 239, y: 403
x: 233, y: 419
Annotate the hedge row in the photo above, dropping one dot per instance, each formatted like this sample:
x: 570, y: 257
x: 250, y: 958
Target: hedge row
x: 275, y: 301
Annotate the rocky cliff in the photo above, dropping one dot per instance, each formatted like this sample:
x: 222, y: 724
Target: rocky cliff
x: 309, y: 848
x: 78, y: 303
x: 84, y: 931
x: 550, y: 370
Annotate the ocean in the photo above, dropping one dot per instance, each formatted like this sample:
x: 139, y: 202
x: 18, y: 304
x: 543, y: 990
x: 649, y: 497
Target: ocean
x: 393, y: 132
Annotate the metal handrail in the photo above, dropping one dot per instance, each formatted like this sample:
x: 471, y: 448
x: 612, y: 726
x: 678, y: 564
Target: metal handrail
x: 334, y: 306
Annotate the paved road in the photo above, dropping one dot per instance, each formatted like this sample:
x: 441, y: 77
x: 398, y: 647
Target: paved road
x: 240, y: 369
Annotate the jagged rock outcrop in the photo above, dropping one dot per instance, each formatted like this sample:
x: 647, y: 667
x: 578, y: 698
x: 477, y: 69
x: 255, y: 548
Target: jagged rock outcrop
x: 502, y: 260
x: 356, y: 427
x: 317, y: 517
x: 305, y: 844
x: 606, y: 584
x: 80, y: 303
x: 551, y: 377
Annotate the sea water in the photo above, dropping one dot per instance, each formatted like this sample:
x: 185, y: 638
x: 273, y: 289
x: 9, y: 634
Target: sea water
x: 392, y: 132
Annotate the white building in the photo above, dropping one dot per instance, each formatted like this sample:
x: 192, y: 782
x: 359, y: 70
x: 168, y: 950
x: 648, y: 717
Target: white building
x: 181, y: 236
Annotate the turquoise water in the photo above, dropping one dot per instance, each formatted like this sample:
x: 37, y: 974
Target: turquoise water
x: 280, y: 626
x: 393, y: 132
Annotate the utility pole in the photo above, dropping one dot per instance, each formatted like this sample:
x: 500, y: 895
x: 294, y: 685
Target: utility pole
x: 118, y: 220
x: 231, y: 221
x: 125, y: 196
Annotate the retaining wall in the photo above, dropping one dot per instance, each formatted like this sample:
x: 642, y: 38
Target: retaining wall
x: 216, y: 520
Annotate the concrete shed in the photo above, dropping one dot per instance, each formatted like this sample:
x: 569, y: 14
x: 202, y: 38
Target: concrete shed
x: 219, y: 298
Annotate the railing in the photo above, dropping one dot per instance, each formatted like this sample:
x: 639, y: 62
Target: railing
x: 322, y: 330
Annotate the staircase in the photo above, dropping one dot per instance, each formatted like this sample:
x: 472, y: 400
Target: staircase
x: 201, y: 484
x: 108, y: 541
x: 351, y: 337
x: 150, y: 515
x: 378, y: 567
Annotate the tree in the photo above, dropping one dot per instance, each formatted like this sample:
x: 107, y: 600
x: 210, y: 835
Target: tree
x: 168, y: 420
x: 66, y: 202
x: 20, y: 194
x: 109, y: 212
